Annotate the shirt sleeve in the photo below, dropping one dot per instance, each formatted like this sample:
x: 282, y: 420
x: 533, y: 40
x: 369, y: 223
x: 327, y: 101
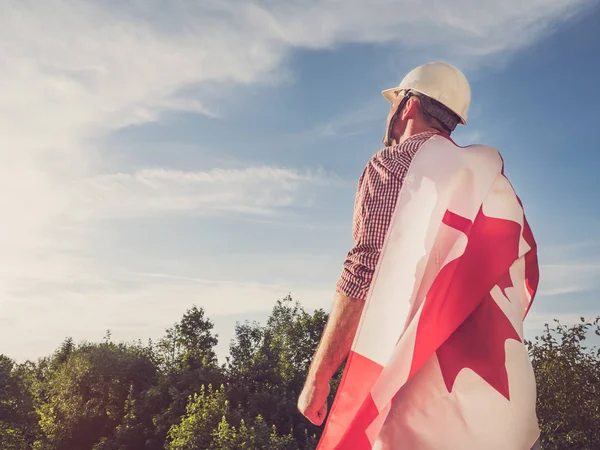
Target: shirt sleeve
x: 376, y: 197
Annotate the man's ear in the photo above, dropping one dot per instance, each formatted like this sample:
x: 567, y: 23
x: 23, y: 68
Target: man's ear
x: 411, y: 109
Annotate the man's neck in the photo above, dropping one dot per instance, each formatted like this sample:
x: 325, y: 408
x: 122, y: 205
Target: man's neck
x: 414, y: 128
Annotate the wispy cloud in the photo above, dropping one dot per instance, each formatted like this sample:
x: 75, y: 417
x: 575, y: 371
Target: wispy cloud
x: 567, y: 275
x: 136, y: 306
x: 351, y: 123
x: 558, y: 253
x: 254, y: 190
x: 467, y: 27
x: 569, y: 278
x: 569, y: 268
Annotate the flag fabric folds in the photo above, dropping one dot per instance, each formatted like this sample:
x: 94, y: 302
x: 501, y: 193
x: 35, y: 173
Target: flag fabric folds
x: 438, y: 360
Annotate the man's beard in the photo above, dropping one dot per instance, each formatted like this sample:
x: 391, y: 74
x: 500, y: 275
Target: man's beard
x: 390, y: 139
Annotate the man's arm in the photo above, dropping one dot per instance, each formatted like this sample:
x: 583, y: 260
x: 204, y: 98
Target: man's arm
x: 376, y: 198
x: 332, y: 351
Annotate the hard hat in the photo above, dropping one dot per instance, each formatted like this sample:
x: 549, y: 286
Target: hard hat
x: 439, y: 81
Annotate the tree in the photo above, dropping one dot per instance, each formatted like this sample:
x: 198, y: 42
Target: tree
x: 18, y: 421
x: 188, y: 344
x: 205, y: 426
x: 268, y: 365
x: 258, y: 436
x: 187, y: 359
x: 83, y: 393
x: 203, y: 413
x: 133, y: 431
x: 568, y: 383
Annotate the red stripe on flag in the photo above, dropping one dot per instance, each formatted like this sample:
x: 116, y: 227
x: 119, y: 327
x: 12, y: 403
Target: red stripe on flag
x: 353, y: 406
x: 532, y: 268
x: 355, y: 437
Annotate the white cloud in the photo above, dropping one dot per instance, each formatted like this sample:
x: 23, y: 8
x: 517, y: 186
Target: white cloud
x: 475, y: 28
x: 136, y: 306
x: 72, y: 72
x: 255, y: 190
x: 565, y: 252
x: 351, y: 123
x: 569, y: 268
x: 565, y: 271
x: 568, y: 278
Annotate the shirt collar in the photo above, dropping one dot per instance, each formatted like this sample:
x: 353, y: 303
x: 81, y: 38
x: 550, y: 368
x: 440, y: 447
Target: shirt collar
x: 423, y: 135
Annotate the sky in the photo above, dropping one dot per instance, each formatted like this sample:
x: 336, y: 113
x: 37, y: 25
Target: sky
x: 158, y: 155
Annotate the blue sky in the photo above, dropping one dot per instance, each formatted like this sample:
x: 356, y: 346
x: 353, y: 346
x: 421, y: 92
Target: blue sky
x: 158, y: 155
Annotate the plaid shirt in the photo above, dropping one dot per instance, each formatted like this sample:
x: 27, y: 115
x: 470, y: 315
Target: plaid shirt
x: 376, y: 197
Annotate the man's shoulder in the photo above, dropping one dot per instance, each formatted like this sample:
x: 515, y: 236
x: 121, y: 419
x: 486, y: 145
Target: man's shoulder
x: 401, y: 153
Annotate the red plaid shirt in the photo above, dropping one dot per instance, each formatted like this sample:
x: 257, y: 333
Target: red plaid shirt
x: 376, y: 197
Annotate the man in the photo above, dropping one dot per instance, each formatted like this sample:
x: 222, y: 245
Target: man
x: 426, y: 107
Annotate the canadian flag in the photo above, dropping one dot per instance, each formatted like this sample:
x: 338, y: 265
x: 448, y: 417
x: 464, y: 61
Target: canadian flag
x: 439, y: 361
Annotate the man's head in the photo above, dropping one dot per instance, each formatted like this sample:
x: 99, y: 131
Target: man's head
x: 432, y: 97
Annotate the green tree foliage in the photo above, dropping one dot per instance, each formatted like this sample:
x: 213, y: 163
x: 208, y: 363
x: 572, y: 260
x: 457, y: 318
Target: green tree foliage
x: 109, y: 396
x: 135, y: 431
x: 18, y: 421
x: 568, y: 384
x: 187, y: 360
x: 83, y: 392
x: 189, y: 344
x: 268, y: 365
x: 205, y: 426
x: 255, y: 437
x: 203, y: 413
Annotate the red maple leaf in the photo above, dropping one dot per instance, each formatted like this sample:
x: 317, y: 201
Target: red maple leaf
x: 460, y: 321
x: 478, y: 344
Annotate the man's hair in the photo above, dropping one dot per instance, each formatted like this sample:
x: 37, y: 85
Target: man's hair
x: 436, y: 114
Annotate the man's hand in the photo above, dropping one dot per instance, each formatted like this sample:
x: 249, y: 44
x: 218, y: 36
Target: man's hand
x: 312, y: 402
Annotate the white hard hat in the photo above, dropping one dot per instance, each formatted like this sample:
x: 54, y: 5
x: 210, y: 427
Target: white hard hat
x: 439, y: 81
